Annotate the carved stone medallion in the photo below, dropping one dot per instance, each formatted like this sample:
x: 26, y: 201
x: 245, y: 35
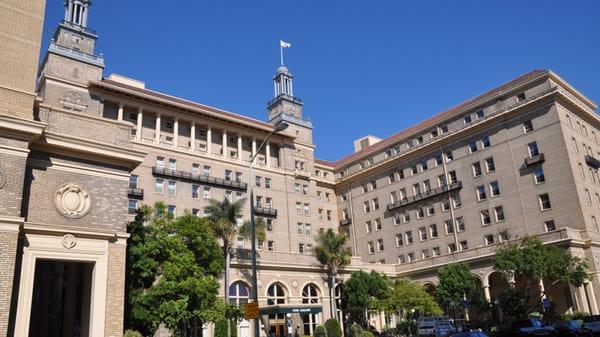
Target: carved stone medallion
x: 68, y: 241
x: 72, y: 201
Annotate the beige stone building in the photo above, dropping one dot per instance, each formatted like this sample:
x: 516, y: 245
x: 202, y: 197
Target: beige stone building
x: 81, y: 152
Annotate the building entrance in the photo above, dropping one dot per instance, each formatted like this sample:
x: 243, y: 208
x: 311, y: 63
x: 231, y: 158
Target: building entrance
x: 61, y: 299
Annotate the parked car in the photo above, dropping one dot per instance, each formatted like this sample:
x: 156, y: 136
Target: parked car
x: 593, y: 324
x: 438, y: 326
x: 530, y: 327
x: 469, y: 334
x: 572, y: 328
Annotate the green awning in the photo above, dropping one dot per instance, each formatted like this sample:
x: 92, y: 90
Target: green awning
x: 291, y: 309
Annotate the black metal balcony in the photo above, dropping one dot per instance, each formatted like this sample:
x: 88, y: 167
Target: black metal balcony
x: 134, y: 192
x: 425, y: 195
x: 537, y: 159
x: 591, y: 161
x: 345, y: 222
x: 286, y: 97
x: 265, y: 211
x: 205, y: 179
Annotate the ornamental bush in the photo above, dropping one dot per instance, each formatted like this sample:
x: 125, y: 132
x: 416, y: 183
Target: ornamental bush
x: 320, y: 331
x: 333, y: 328
x: 356, y: 330
x: 132, y: 333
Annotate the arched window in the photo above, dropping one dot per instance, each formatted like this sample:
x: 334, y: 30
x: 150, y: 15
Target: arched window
x: 275, y: 294
x: 277, y: 325
x: 239, y: 293
x: 310, y: 295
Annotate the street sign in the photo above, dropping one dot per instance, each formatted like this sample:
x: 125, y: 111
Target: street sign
x: 546, y: 303
x: 251, y: 310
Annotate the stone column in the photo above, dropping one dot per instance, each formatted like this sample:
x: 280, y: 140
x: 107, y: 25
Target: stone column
x: 486, y: 292
x: 120, y: 113
x: 175, y: 133
x: 140, y: 116
x: 268, y: 154
x: 85, y: 15
x: 208, y: 139
x: 592, y: 297
x: 253, y: 146
x: 69, y: 13
x: 225, y: 143
x: 157, y: 130
x: 193, y: 136
x: 239, y: 146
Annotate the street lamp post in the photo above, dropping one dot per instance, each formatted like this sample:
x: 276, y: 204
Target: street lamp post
x: 278, y: 128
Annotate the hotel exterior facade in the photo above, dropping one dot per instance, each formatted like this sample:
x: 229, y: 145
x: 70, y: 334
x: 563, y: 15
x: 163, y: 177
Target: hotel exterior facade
x: 80, y: 153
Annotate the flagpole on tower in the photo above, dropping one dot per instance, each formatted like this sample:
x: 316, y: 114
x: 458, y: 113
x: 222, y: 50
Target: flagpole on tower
x: 282, y: 45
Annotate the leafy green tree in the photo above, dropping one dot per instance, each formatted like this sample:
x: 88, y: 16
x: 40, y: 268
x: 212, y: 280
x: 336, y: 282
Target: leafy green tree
x: 405, y: 296
x: 531, y: 261
x: 320, y: 331
x: 331, y: 251
x: 173, y: 266
x: 456, y: 281
x: 364, y: 292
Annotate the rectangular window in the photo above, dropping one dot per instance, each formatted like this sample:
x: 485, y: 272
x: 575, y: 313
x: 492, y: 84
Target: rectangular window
x: 438, y: 160
x: 132, y: 206
x: 411, y: 257
x: 160, y: 162
x: 533, y: 149
x: 306, y: 210
x: 441, y: 180
x: 420, y: 213
x: 433, y: 231
x: 467, y: 119
x: 489, y: 239
x: 527, y: 126
x: 380, y: 247
x: 366, y: 207
x: 503, y: 236
x: 499, y: 213
x: 371, y: 247
x: 172, y: 210
x: 588, y: 197
x: 485, y: 142
x: 490, y: 166
x: 476, y: 169
x: 449, y: 156
x: 414, y: 170
x: 460, y: 224
x: 449, y: 226
x: 456, y: 200
x: 538, y: 175
x: 401, y: 259
x: 544, y: 200
x: 549, y: 225
x: 481, y: 192
x: 424, y: 165
x: 464, y: 245
x: 368, y: 227
x: 271, y: 245
x: 452, y: 177
x: 257, y: 181
x: 435, y: 251
x: 206, y: 193
x: 378, y: 225
x: 399, y: 242
x: 485, y: 217
x: 425, y: 253
x: 494, y: 188
x: 195, y: 169
x: 373, y: 185
x: 133, y: 181
x: 172, y: 164
x: 172, y: 188
x: 376, y: 204
x: 423, y: 233
x: 472, y: 147
x: 229, y: 195
x: 430, y: 210
x: 451, y: 248
x: 521, y: 97
x: 159, y: 185
x: 195, y: 193
x: 328, y: 215
x: 445, y: 206
x: 206, y: 170
x: 479, y: 114
x: 267, y: 182
x: 409, y: 237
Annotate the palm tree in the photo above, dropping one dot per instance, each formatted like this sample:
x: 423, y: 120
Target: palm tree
x: 222, y: 217
x: 332, y: 253
x: 245, y: 232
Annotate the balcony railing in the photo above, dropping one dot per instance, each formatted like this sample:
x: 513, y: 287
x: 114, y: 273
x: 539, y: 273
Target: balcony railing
x: 135, y: 192
x: 425, y: 195
x: 265, y: 210
x: 535, y: 160
x: 345, y: 222
x: 72, y: 25
x: 284, y: 96
x: 206, y: 179
x: 591, y: 161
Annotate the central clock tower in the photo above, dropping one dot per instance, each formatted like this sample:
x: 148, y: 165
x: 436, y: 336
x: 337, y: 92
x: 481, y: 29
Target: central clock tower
x: 284, y: 101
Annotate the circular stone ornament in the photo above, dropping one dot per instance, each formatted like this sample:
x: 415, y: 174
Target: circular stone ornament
x: 72, y: 201
x: 69, y: 241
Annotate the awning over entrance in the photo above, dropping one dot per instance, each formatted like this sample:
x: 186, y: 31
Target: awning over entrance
x: 291, y: 309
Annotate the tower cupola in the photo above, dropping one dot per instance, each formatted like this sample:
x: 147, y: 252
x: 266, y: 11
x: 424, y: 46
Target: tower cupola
x: 76, y: 12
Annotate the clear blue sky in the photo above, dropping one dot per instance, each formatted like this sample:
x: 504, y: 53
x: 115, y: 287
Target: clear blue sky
x: 361, y: 67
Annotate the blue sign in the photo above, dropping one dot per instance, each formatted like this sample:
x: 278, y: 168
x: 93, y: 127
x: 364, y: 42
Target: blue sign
x: 465, y: 304
x: 546, y: 303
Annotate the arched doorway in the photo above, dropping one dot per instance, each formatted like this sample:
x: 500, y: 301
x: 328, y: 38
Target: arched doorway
x: 310, y: 295
x: 276, y: 294
x: 239, y: 294
x: 478, y: 305
x: 498, y: 286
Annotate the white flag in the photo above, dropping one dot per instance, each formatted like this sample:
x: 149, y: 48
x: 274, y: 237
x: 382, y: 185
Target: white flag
x: 284, y: 44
